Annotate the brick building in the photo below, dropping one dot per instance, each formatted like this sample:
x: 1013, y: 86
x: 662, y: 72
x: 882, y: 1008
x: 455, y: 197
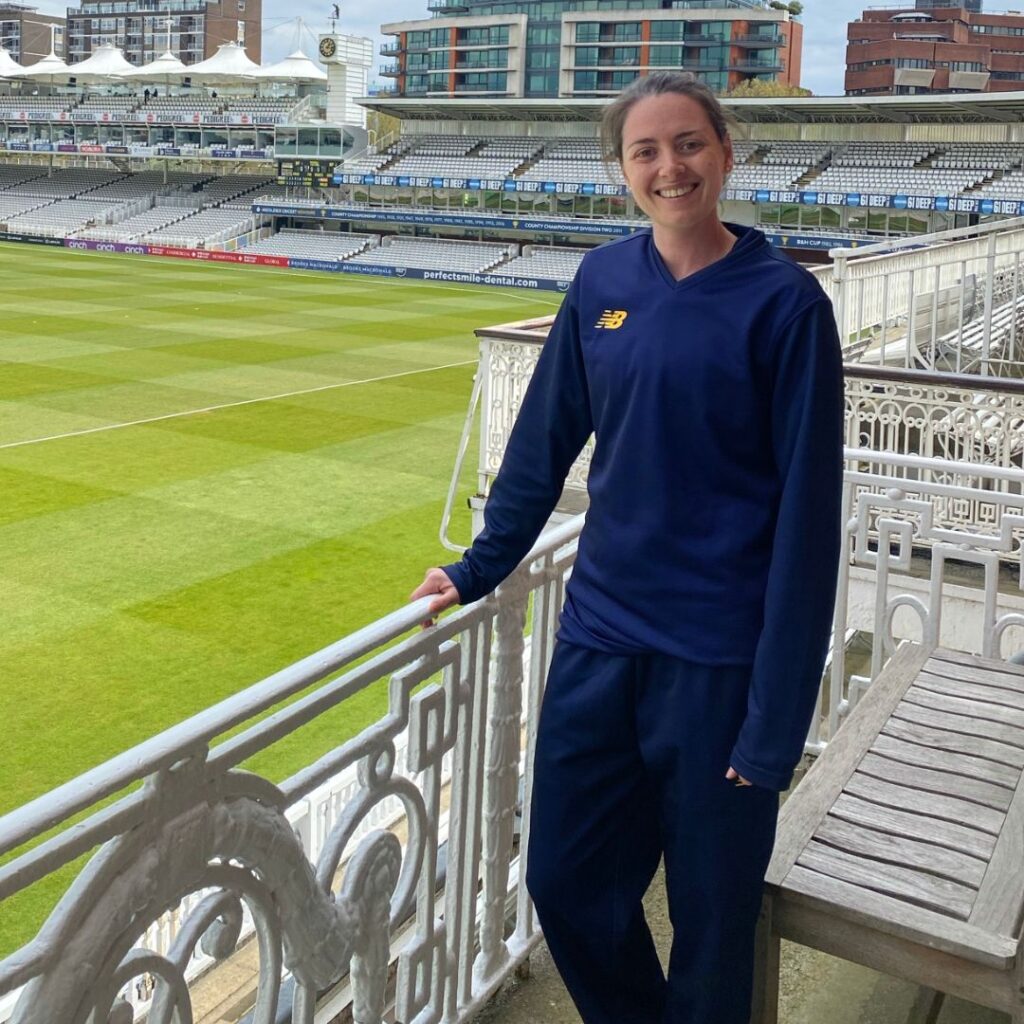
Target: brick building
x: 143, y: 29
x: 27, y: 35
x: 934, y: 49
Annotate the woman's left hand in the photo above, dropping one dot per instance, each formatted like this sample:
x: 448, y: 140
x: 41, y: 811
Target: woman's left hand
x: 733, y: 775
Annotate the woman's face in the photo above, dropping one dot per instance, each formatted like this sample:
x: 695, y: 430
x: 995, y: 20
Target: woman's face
x: 674, y: 163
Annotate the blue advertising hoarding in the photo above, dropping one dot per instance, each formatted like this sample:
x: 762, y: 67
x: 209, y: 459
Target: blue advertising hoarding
x: 607, y: 229
x: 565, y: 188
x: 878, y: 201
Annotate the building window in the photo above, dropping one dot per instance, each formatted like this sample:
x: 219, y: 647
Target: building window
x: 588, y: 32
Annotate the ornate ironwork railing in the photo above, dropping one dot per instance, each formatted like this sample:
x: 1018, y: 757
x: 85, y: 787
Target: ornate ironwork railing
x: 908, y: 412
x: 195, y: 826
x: 335, y: 899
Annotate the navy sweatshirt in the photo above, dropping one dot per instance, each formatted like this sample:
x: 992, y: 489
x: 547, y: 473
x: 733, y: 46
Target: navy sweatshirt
x: 713, y: 530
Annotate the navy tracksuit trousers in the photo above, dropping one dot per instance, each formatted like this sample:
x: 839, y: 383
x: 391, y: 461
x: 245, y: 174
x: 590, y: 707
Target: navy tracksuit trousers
x: 630, y: 766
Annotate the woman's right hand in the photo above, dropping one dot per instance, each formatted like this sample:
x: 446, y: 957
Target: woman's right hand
x: 436, y: 582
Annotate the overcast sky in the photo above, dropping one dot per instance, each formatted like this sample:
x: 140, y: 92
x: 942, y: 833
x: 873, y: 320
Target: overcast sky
x: 824, y: 23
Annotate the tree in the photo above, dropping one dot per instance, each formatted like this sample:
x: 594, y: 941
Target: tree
x: 384, y: 126
x: 794, y: 7
x: 755, y: 88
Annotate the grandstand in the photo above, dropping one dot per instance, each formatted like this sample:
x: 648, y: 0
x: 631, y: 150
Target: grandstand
x: 549, y: 262
x: 61, y: 220
x: 205, y: 229
x: 313, y: 245
x: 423, y: 254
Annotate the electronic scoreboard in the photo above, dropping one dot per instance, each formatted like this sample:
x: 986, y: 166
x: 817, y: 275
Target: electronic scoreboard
x: 308, y: 173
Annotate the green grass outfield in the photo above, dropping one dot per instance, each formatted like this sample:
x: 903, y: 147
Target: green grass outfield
x: 279, y: 482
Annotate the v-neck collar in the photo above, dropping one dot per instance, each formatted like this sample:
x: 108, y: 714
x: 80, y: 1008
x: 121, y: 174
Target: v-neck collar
x: 746, y: 239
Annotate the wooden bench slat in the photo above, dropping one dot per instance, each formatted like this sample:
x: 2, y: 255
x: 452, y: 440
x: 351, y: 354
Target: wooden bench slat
x: 973, y: 690
x: 1000, y: 901
x: 955, y: 742
x: 928, y: 805
x: 903, y: 884
x: 824, y: 782
x: 981, y: 711
x: 933, y: 781
x: 903, y: 920
x: 983, y: 668
x: 947, y: 760
x: 958, y: 723
x: 895, y: 849
x: 914, y: 826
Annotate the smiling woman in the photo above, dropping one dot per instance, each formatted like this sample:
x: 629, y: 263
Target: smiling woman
x: 697, y: 617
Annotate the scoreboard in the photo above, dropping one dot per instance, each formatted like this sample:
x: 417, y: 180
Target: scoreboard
x: 308, y: 173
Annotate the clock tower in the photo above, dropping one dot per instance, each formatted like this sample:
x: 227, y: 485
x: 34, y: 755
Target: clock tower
x: 348, y: 60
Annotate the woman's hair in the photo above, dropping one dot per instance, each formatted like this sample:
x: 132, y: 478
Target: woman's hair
x: 658, y: 83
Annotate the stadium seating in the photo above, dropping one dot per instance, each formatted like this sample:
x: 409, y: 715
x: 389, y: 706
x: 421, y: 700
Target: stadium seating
x: 316, y: 245
x: 115, y: 106
x: 66, y: 183
x: 62, y: 219
x: 12, y: 174
x: 261, y: 111
x: 548, y: 262
x: 133, y: 228
x: 428, y: 254
x: 231, y: 186
x: 203, y: 230
x: 11, y: 207
x: 456, y: 166
x: 261, y: 193
x: 51, y: 105
x: 913, y: 180
x: 881, y: 154
x: 765, y: 175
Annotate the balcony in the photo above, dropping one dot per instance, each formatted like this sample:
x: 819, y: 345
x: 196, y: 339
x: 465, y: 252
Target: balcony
x: 390, y: 49
x: 387, y: 874
x: 447, y: 7
x: 390, y: 70
x: 760, y: 66
x: 756, y: 42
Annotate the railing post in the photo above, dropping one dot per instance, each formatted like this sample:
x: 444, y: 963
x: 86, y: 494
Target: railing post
x: 990, y: 283
x: 840, y: 276
x: 501, y: 774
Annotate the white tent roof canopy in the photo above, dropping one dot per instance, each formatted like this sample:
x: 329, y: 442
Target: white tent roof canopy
x: 106, y: 63
x: 50, y: 69
x: 229, y: 64
x: 166, y: 67
x: 9, y: 67
x: 296, y: 67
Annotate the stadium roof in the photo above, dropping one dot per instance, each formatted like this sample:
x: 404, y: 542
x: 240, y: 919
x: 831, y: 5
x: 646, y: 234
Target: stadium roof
x: 938, y: 108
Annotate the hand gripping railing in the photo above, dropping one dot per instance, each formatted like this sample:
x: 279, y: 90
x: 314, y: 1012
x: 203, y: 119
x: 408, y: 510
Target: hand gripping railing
x: 201, y: 824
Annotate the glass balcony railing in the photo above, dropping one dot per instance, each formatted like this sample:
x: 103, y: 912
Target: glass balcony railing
x: 756, y: 41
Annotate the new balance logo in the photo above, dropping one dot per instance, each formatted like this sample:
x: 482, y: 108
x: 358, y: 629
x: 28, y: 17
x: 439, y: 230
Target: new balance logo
x: 612, y: 319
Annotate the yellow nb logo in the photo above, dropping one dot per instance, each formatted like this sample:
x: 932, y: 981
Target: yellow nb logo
x: 612, y: 319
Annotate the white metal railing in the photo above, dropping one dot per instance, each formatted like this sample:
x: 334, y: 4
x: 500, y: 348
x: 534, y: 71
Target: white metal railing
x: 464, y: 701
x: 200, y: 824
x: 950, y: 301
x: 963, y: 418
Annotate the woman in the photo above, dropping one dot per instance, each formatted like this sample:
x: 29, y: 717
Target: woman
x: 697, y: 617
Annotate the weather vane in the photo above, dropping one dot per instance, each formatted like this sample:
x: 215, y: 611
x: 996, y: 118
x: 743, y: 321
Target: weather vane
x: 335, y: 15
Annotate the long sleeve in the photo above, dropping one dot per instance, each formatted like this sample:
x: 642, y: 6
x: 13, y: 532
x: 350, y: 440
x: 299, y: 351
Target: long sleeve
x: 554, y: 423
x: 807, y: 417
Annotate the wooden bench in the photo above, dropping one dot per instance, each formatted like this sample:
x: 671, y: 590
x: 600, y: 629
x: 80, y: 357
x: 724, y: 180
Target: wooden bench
x: 903, y: 847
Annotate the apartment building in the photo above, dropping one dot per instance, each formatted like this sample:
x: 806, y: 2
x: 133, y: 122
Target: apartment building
x: 580, y: 48
x: 28, y: 35
x: 143, y: 29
